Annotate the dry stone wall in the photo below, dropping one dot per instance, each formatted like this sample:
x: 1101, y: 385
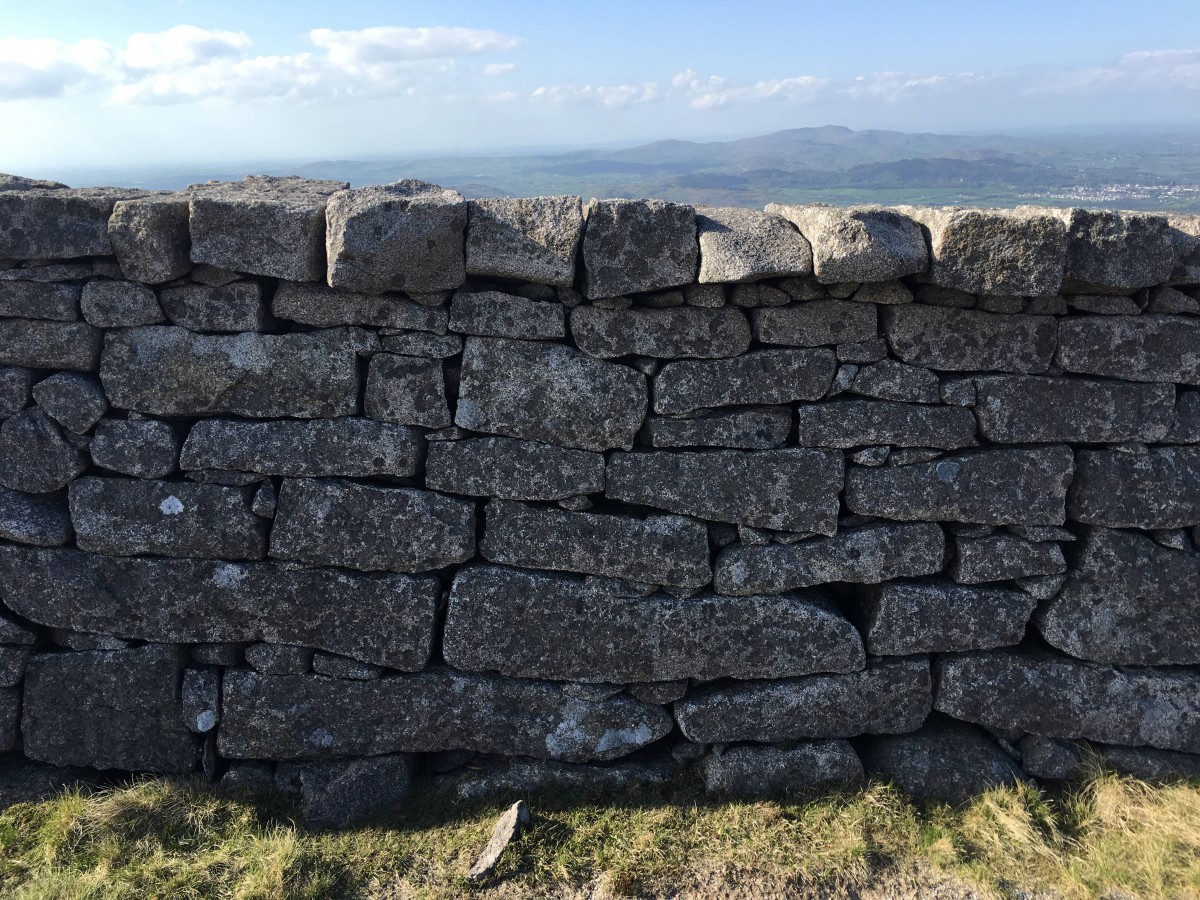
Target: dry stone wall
x: 335, y: 490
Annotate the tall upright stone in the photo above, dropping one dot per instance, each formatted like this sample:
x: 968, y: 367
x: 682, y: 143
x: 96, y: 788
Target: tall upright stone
x: 632, y: 246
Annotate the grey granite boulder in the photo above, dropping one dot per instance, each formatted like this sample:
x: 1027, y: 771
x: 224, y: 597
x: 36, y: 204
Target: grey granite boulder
x: 231, y: 308
x: 863, y: 555
x: 1050, y: 758
x: 127, y: 517
x: 671, y: 333
x: 533, y: 625
x: 667, y: 550
x: 858, y: 243
x: 308, y: 716
x: 524, y: 238
x: 760, y: 377
x: 887, y: 696
x: 738, y: 245
x: 758, y: 771
x: 348, y: 447
x: 55, y: 301
x: 891, y: 380
x: 632, y: 246
x: 1148, y: 764
x: 21, y: 183
x: 863, y: 423
x: 1128, y: 600
x: 113, y: 709
x: 815, y: 323
x: 496, y: 314
x: 56, y: 223
x: 263, y: 225
x: 120, y: 304
x: 1116, y: 252
x: 546, y: 392
x: 516, y: 470
x: 760, y: 428
x: 902, y: 618
x: 15, y: 385
x: 995, y: 487
x: 359, y: 526
x: 151, y: 238
x: 1134, y: 348
x: 1137, y: 487
x: 343, y: 793
x: 407, y: 390
x: 170, y: 371
x: 73, y: 400
x: 1001, y: 557
x: 144, y: 448
x: 382, y: 619
x: 49, y: 345
x: 969, y: 340
x: 316, y: 304
x: 790, y: 490
x: 406, y: 236
x: 33, y: 519
x: 36, y: 458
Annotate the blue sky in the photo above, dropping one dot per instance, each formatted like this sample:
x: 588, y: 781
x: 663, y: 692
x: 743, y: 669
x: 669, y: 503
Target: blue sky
x: 125, y: 82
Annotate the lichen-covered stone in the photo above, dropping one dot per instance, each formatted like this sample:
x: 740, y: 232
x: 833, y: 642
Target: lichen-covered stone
x: 762, y: 428
x: 358, y: 526
x: 863, y: 423
x: 668, y: 550
x: 863, y: 555
x: 534, y: 625
x: 816, y: 323
x: 40, y: 344
x: 761, y: 377
x: 438, y: 709
x: 407, y: 390
x: 33, y: 519
x: 887, y: 696
x: 231, y: 308
x: 144, y: 448
x: 120, y: 304
x: 40, y: 300
x: 36, y: 458
x: 634, y: 246
x: 546, y: 392
x: 56, y: 223
x: 757, y: 771
x: 73, y: 400
x: 1134, y: 348
x: 858, y: 243
x: 738, y: 245
x: 406, y: 236
x: 1002, y: 557
x: 891, y: 380
x: 671, y: 333
x: 128, y: 517
x: 524, y: 238
x: 995, y: 487
x: 790, y: 490
x: 1137, y: 487
x: 316, y: 304
x: 15, y: 385
x: 170, y: 371
x: 969, y: 340
x: 1128, y: 600
x: 1116, y: 252
x: 516, y: 470
x: 496, y: 314
x: 151, y: 238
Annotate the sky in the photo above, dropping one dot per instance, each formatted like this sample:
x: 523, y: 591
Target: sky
x: 124, y: 82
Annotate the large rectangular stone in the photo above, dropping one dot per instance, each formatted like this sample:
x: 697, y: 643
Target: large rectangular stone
x: 1136, y: 348
x: 516, y: 470
x: 858, y: 243
x: 788, y: 490
x: 742, y: 245
x: 234, y: 307
x: 1003, y: 557
x: 1138, y: 487
x: 312, y: 717
x: 533, y: 625
x: 1116, y: 252
x: 864, y: 555
x: 994, y: 487
x: 39, y: 344
x: 670, y: 333
x: 816, y: 323
x: 316, y: 304
x: 382, y: 619
x: 632, y: 246
x: 667, y: 550
x: 524, y: 238
x: 150, y: 237
x: 969, y: 340
x: 866, y: 423
x: 359, y: 526
x: 58, y: 224
x: 37, y: 300
x: 763, y: 428
x: 497, y: 314
x: 761, y: 377
x: 170, y: 371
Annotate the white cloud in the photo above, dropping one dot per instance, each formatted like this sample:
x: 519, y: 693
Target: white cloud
x: 1144, y: 70
x: 386, y: 45
x: 49, y: 68
x: 493, y: 69
x: 181, y: 47
x: 614, y: 96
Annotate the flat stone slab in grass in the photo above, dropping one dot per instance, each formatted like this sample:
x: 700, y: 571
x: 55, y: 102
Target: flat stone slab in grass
x: 57, y: 223
x: 38, y: 300
x: 672, y: 333
x: 533, y: 625
x: 738, y: 245
x: 764, y: 428
x: 1002, y: 557
x: 358, y: 526
x: 1116, y: 252
x: 151, y: 238
x: 815, y: 323
x: 1127, y: 601
x: 111, y: 709
x: 550, y: 393
x: 864, y: 555
x: 889, y: 695
x: 40, y: 344
x: 866, y: 423
x: 1156, y: 487
x: 316, y: 304
x: 33, y: 519
x: 496, y: 314
x: 748, y: 771
x: 760, y: 377
x: 1134, y: 348
x: 634, y: 246
x: 132, y: 516
x: 1056, y: 696
x: 37, y: 460
x: 170, y: 371
x: 667, y: 550
x: 1027, y: 410
x: 902, y: 618
x: 994, y: 487
x: 312, y: 717
x: 970, y: 340
x: 789, y: 490
x: 524, y: 238
x: 858, y: 243
x: 347, y: 447
x: 513, y: 469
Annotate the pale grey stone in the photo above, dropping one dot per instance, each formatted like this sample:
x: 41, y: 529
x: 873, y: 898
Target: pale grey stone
x: 858, y: 243
x: 760, y: 377
x: 524, y: 238
x: 151, y: 238
x: 38, y: 344
x: 746, y: 245
x: 860, y: 423
x: 36, y: 458
x: 73, y: 400
x: 967, y: 340
x: 683, y: 331
x: 903, y: 618
x: 632, y: 246
x: 407, y: 390
x: 316, y: 304
x: 495, y: 314
x: 1134, y: 348
x: 235, y: 307
x: 1116, y: 252
x: 816, y: 323
x: 759, y: 771
x: 514, y: 469
x: 120, y: 304
x: 762, y: 428
x: 1137, y: 487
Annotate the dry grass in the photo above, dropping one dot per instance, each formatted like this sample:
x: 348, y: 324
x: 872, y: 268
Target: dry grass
x: 1110, y: 836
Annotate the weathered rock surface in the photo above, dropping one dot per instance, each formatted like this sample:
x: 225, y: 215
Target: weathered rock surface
x: 33, y: 519
x: 526, y: 238
x: 1148, y: 764
x: 151, y: 238
x: 738, y: 245
x: 632, y: 246
x: 1134, y: 348
x: 40, y: 344
x: 144, y: 448
x: 36, y: 458
x: 127, y: 517
x: 1001, y: 557
x: 73, y: 400
x: 516, y: 470
x: 56, y: 223
x: 431, y: 346
x: 1056, y: 696
x: 495, y: 314
x: 755, y: 771
x: 958, y: 340
x: 39, y: 300
x: 283, y: 659
x: 1185, y: 427
x: 550, y: 393
x: 200, y: 699
x: 1128, y: 600
x: 671, y: 333
x: 790, y: 490
x: 316, y: 304
x: 15, y: 385
x: 120, y: 304
x: 342, y: 793
x: 170, y: 371
x: 406, y: 236
x: 507, y: 829
x: 533, y: 625
x: 668, y: 550
x: 995, y: 487
x: 407, y: 390
x: 761, y: 377
x: 858, y: 243
x: 1138, y: 487
x: 763, y: 428
x: 891, y: 380
x: 230, y: 308
x: 1116, y: 252
x: 358, y: 526
x: 438, y: 709
x: 863, y: 423
x: 815, y: 323
x: 864, y: 555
